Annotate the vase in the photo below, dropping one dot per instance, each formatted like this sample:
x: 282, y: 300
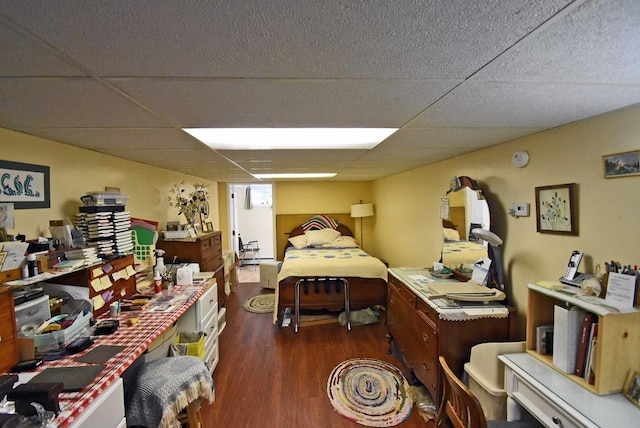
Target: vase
x: 190, y: 214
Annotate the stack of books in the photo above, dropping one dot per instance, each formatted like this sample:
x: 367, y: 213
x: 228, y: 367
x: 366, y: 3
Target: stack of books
x: 107, y: 228
x: 89, y: 256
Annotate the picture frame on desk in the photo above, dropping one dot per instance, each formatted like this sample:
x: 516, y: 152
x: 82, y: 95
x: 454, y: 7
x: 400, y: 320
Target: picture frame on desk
x: 27, y: 185
x: 632, y: 388
x: 556, y: 210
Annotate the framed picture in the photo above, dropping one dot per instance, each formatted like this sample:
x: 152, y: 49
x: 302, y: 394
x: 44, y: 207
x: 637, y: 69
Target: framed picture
x: 621, y: 164
x: 556, y: 209
x: 208, y: 227
x: 25, y: 185
x: 632, y: 388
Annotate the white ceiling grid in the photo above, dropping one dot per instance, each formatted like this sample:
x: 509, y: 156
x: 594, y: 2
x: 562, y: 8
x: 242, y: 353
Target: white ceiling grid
x: 122, y: 77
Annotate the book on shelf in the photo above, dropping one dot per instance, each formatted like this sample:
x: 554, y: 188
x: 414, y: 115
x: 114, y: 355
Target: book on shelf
x: 544, y: 339
x: 583, y: 346
x: 69, y: 264
x: 567, y: 324
x: 589, y: 370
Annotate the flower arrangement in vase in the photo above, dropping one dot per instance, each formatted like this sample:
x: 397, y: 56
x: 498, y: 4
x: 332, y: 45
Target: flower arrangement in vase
x: 191, y: 204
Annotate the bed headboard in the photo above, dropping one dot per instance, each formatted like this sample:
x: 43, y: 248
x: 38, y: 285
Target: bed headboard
x: 285, y: 223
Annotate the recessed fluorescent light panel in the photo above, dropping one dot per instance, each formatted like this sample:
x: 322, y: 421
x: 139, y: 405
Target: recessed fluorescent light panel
x: 290, y: 138
x: 296, y: 175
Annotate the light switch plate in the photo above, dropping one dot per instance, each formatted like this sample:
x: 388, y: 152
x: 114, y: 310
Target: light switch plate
x: 520, y: 209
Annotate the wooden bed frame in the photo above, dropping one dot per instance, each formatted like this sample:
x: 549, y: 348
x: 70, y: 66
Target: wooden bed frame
x: 363, y: 292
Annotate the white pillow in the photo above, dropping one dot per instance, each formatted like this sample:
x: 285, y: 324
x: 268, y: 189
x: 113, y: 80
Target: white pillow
x: 342, y: 242
x: 450, y: 234
x: 318, y: 238
x: 298, y: 242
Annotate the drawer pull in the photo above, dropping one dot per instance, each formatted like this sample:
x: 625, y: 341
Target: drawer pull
x: 425, y: 337
x: 393, y: 299
x: 211, y: 301
x: 557, y: 421
x: 425, y: 365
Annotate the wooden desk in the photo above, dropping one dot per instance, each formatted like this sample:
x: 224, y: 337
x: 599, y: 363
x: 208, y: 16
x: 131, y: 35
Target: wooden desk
x: 135, y: 338
x: 557, y: 401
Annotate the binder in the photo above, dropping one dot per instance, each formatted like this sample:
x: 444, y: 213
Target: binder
x: 584, y: 343
x: 567, y: 326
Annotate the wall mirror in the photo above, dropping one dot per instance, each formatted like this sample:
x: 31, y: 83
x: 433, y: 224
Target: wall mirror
x: 463, y: 208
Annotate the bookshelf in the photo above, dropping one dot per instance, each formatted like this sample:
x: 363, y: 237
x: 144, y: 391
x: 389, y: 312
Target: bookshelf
x: 618, y: 337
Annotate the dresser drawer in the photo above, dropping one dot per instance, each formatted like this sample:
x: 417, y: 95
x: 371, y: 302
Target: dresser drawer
x: 207, y: 302
x: 406, y: 294
x: 428, y: 311
x: 6, y: 318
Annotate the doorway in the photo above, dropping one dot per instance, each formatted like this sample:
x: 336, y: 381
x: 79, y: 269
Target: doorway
x: 251, y: 218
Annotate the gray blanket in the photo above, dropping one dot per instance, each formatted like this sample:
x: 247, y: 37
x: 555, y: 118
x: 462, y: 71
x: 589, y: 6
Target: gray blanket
x: 165, y: 387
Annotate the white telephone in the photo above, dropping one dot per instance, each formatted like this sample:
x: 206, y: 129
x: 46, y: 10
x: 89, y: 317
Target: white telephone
x: 571, y: 275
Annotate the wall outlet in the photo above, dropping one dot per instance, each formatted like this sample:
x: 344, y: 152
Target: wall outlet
x: 520, y: 209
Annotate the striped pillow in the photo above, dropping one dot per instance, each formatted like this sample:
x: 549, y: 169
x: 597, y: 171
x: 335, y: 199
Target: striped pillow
x: 320, y: 222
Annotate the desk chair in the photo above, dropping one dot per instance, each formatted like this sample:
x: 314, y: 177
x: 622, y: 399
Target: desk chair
x: 461, y: 407
x: 251, y: 248
x: 166, y: 388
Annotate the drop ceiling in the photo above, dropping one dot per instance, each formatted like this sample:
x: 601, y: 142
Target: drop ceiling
x: 123, y: 77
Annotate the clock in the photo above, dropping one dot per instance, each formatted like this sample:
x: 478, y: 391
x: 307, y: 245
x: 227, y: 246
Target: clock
x: 520, y: 159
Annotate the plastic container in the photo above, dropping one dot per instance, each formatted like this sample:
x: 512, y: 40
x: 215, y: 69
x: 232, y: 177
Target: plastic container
x: 98, y: 199
x: 53, y: 340
x: 32, y: 313
x: 486, y: 376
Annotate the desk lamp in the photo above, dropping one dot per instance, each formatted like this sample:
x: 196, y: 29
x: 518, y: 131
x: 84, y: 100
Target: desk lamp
x: 495, y: 255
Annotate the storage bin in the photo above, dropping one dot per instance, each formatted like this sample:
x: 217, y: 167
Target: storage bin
x: 53, y: 340
x: 160, y: 346
x: 190, y: 343
x: 98, y: 199
x: 32, y: 313
x: 144, y: 254
x: 486, y: 376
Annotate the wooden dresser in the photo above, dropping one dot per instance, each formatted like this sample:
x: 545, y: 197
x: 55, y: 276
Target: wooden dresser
x: 205, y: 249
x: 421, y: 334
x: 8, y: 336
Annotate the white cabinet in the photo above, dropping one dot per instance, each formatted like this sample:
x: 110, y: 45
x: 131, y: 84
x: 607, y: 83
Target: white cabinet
x: 203, y: 316
x: 107, y: 410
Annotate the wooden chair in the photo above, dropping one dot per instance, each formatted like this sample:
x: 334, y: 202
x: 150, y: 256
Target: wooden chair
x: 462, y: 409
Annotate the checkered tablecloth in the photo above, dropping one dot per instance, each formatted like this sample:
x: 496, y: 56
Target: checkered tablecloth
x: 136, y: 338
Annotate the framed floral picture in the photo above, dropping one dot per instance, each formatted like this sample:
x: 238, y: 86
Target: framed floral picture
x: 556, y: 209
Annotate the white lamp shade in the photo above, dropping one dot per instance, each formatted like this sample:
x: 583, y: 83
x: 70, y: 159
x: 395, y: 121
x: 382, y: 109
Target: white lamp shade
x: 361, y: 210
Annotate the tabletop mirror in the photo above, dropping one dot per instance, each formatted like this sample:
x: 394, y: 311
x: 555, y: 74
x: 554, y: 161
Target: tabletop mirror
x: 463, y: 209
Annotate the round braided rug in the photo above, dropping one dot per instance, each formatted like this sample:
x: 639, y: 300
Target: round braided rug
x: 260, y: 304
x: 370, y: 392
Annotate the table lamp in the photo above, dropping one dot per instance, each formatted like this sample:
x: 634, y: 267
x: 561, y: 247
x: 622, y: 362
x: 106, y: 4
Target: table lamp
x: 361, y: 210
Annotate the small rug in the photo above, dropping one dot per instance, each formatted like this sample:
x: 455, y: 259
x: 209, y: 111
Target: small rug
x: 370, y: 392
x: 260, y: 304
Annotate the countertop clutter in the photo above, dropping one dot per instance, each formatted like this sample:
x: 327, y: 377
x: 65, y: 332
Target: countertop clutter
x: 95, y: 370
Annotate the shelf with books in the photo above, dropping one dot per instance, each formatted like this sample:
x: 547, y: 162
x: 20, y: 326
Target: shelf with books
x: 618, y: 338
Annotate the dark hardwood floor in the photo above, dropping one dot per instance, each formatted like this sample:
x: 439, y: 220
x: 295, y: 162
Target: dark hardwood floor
x: 271, y: 377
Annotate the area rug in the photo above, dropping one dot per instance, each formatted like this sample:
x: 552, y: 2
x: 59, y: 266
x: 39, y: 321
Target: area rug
x: 370, y: 392
x: 260, y: 304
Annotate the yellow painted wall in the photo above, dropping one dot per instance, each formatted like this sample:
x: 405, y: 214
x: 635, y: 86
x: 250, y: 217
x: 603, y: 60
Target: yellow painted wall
x: 74, y: 172
x: 407, y: 233
x: 304, y: 197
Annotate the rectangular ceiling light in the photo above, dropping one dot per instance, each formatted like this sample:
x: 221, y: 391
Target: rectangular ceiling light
x: 296, y: 175
x: 290, y: 138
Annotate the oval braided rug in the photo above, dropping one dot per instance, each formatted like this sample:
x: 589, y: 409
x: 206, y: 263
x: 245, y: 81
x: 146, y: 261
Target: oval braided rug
x: 260, y: 304
x: 370, y: 392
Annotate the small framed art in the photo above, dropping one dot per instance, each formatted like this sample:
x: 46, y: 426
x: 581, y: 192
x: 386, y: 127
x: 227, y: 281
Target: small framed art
x: 556, y: 209
x: 632, y: 388
x: 621, y: 164
x: 25, y: 185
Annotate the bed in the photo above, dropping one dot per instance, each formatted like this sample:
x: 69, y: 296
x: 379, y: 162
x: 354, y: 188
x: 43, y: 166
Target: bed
x: 457, y: 251
x: 328, y: 252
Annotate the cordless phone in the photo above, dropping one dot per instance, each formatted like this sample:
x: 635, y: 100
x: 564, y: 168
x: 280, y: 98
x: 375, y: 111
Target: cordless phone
x: 572, y: 266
